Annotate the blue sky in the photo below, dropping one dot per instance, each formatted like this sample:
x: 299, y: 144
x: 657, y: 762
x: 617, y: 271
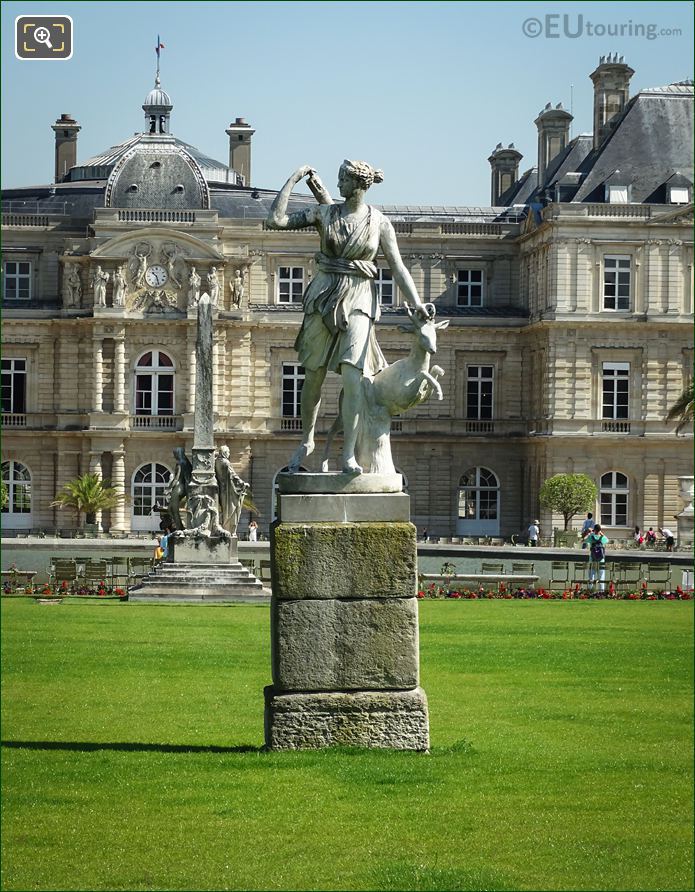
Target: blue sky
x: 423, y: 90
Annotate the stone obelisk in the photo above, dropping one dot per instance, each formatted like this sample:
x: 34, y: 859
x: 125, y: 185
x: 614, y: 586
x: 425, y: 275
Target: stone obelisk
x: 203, y: 452
x: 208, y: 549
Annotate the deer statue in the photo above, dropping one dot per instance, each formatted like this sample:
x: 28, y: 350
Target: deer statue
x: 393, y: 391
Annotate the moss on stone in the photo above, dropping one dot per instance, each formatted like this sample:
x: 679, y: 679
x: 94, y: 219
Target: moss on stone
x: 344, y: 560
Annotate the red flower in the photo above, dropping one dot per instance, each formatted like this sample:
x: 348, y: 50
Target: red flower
x: 421, y: 594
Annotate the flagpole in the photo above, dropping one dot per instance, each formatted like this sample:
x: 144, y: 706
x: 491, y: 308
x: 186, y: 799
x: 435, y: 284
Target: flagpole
x: 157, y: 57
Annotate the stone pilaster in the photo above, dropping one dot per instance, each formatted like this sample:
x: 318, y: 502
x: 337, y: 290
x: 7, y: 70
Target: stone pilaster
x: 95, y: 468
x: 119, y: 372
x: 118, y: 519
x: 98, y: 390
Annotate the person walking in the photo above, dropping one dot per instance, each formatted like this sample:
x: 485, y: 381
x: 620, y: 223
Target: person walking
x: 534, y: 532
x: 588, y: 525
x: 596, y: 542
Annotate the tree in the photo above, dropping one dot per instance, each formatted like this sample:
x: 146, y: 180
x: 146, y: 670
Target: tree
x: 4, y: 494
x: 568, y: 494
x: 682, y: 409
x: 87, y: 494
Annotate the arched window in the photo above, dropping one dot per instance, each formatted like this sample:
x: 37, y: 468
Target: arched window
x: 154, y: 384
x: 479, y: 503
x: 17, y: 512
x: 615, y: 490
x: 149, y: 484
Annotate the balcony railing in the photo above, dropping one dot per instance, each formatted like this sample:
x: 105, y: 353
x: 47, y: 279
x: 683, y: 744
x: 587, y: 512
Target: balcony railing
x: 290, y: 424
x: 156, y: 422
x: 480, y: 427
x: 25, y: 220
x: 154, y: 216
x: 615, y: 427
x: 14, y: 419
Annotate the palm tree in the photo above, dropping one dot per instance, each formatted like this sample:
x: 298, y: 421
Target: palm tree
x: 87, y: 493
x: 682, y: 409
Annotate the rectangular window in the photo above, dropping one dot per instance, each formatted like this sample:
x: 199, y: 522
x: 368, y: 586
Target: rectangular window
x: 384, y: 287
x: 17, y: 280
x: 143, y: 394
x: 616, y: 390
x: 616, y: 283
x: 292, y: 383
x: 614, y: 509
x: 470, y: 288
x: 14, y: 385
x: 479, y: 391
x: 290, y: 284
x: 165, y: 394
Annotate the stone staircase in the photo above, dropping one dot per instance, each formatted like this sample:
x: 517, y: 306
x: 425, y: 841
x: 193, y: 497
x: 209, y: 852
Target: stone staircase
x: 197, y: 582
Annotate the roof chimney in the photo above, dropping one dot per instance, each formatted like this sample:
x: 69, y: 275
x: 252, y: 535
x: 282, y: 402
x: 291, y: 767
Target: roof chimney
x: 505, y: 170
x: 66, y: 129
x: 553, y: 135
x: 240, y: 134
x: 611, y: 93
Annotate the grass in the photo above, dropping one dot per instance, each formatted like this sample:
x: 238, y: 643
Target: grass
x: 561, y: 755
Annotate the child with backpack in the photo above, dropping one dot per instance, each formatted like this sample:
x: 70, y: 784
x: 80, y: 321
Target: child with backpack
x: 596, y: 543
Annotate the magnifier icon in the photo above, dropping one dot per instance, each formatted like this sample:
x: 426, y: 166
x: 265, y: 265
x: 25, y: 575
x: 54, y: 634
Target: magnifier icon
x: 43, y: 35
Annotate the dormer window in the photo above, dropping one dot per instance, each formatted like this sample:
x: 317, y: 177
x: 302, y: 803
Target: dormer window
x: 678, y: 195
x: 155, y: 165
x: 618, y: 194
x: 178, y: 187
x: 133, y: 187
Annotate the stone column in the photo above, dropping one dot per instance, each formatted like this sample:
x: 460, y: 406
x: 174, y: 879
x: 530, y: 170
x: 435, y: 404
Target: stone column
x: 119, y: 377
x: 97, y: 393
x: 344, y: 621
x: 118, y: 519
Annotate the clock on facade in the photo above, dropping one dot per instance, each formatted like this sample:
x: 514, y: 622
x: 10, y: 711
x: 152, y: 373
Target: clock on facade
x: 156, y: 276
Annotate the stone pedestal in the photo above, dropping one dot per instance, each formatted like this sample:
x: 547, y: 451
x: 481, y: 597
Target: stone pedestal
x: 200, y: 570
x: 344, y: 628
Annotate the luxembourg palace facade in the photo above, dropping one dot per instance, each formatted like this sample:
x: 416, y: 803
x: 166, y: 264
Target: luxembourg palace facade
x: 570, y: 300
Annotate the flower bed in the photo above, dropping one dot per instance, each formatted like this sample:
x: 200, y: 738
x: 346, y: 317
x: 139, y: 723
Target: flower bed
x: 503, y: 593
x: 64, y: 590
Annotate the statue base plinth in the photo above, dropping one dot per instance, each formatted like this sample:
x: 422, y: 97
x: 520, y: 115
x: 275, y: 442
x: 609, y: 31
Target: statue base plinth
x: 344, y: 616
x: 316, y: 484
x: 202, y: 569
x: 203, y: 550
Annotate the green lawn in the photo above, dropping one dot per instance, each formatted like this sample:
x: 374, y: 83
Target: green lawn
x: 561, y: 755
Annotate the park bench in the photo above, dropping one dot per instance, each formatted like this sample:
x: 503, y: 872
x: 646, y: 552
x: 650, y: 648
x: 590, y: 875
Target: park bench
x: 525, y: 578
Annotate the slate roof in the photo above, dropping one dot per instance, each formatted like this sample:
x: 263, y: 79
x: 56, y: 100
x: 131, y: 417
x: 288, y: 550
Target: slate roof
x: 650, y: 144
x: 652, y: 140
x: 102, y: 164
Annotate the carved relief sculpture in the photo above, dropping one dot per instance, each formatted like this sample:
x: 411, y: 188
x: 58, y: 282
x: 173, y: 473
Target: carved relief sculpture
x: 137, y: 266
x: 171, y: 257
